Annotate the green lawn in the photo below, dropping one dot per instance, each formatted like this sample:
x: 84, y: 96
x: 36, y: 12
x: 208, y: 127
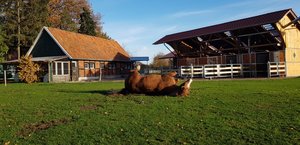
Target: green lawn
x: 216, y: 112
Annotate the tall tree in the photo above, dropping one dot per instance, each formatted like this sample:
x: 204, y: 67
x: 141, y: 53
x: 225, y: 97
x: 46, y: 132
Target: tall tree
x: 3, y: 46
x: 22, y: 20
x: 65, y: 14
x: 99, y: 29
x: 87, y: 24
x: 157, y: 62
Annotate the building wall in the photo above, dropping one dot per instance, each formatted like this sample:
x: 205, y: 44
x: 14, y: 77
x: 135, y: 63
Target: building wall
x: 291, y: 36
x: 108, y: 69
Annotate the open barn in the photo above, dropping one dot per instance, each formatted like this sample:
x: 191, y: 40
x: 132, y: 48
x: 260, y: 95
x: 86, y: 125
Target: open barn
x: 266, y: 45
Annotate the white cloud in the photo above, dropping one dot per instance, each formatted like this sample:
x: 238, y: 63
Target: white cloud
x: 170, y: 29
x: 189, y: 13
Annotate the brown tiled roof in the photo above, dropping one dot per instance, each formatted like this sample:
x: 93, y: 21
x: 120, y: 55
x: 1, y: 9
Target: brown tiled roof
x: 80, y: 46
x: 233, y: 25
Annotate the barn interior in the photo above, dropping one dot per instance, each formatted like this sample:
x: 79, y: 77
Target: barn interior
x: 254, y: 41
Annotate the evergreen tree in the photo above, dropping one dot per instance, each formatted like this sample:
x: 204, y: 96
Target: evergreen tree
x: 3, y: 46
x: 87, y: 24
x: 22, y: 20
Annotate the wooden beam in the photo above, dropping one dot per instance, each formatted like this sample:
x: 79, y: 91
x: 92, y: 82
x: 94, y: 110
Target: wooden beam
x: 245, y: 35
x: 254, y: 46
x: 225, y: 39
x: 169, y: 49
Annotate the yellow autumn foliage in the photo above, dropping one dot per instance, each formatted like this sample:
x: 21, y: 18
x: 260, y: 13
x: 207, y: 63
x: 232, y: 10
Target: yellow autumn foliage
x: 28, y: 70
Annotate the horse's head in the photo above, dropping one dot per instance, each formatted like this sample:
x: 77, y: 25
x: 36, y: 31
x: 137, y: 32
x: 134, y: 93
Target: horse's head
x: 184, y: 88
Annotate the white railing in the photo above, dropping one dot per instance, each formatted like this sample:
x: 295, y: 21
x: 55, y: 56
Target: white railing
x: 276, y: 69
x: 223, y: 70
x: 212, y: 71
x: 191, y: 71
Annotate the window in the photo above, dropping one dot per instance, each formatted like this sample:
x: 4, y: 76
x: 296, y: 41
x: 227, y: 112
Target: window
x: 102, y: 65
x: 60, y: 68
x: 66, y: 70
x: 89, y: 65
x: 86, y: 65
x: 128, y: 66
x: 74, y: 64
x: 92, y: 65
x: 54, y: 68
x: 111, y: 66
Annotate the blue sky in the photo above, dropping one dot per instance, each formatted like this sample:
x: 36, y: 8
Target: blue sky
x: 136, y: 24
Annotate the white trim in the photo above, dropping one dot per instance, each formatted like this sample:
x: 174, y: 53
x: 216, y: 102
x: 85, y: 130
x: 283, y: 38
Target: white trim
x: 34, y: 43
x: 292, y: 12
x: 74, y: 62
x: 46, y: 28
x: 62, y: 68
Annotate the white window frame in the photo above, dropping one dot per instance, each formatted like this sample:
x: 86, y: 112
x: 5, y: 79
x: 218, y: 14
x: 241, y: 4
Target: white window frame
x: 89, y: 65
x: 62, y: 68
x: 74, y: 62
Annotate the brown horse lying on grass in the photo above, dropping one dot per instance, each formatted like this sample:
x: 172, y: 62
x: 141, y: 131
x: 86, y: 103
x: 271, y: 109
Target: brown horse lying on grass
x: 155, y: 84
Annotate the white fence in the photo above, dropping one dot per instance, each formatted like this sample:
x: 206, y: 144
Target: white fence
x: 212, y: 71
x: 276, y: 69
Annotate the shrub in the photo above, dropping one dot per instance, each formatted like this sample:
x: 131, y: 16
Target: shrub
x: 28, y: 70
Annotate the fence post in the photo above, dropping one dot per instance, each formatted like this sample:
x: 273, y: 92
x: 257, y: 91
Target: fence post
x: 180, y: 71
x: 231, y: 70
x: 100, y: 73
x: 277, y: 67
x: 269, y: 70
x: 203, y: 71
x: 192, y: 71
x: 5, y: 77
x: 242, y: 70
x: 218, y: 70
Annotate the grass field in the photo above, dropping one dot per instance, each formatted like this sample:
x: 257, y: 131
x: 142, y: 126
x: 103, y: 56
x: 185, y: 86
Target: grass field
x: 216, y: 112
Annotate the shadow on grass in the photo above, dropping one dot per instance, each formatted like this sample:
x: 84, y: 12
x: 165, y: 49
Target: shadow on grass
x: 111, y: 92
x: 101, y: 92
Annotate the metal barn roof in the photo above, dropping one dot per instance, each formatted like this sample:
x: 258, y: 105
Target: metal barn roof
x: 233, y: 25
